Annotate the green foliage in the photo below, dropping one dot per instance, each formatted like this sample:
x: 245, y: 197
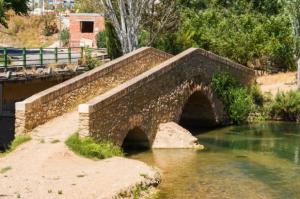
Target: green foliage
x: 89, y: 61
x: 286, y: 106
x: 19, y: 140
x: 112, y: 42
x: 240, y: 105
x: 257, y: 95
x: 254, y: 33
x: 237, y: 100
x: 2, y: 59
x: 19, y: 6
x: 101, y: 39
x: 65, y: 36
x: 223, y: 83
x: 89, y: 148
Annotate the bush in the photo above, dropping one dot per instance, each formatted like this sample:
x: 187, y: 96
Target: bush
x: 101, y: 39
x: 89, y: 61
x: 258, y: 97
x: 89, y: 148
x: 286, y: 106
x: 50, y: 26
x: 240, y: 105
x: 222, y: 84
x: 237, y: 99
x: 65, y: 36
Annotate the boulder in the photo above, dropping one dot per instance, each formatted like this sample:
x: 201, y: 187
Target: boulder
x: 172, y: 136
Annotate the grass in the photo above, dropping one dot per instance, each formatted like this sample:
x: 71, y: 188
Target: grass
x: 5, y: 169
x: 19, y: 140
x: 90, y: 148
x: 55, y: 141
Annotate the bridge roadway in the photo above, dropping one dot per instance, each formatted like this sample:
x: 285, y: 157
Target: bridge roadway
x: 126, y: 99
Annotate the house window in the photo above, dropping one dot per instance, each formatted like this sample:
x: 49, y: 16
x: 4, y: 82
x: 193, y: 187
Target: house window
x: 87, y: 26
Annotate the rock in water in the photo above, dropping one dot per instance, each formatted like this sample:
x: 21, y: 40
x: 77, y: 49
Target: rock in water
x: 172, y: 136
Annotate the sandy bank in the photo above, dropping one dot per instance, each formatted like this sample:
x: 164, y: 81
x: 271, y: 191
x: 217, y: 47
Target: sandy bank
x: 43, y: 169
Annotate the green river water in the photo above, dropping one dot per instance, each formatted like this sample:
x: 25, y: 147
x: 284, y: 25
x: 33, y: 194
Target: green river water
x: 251, y: 161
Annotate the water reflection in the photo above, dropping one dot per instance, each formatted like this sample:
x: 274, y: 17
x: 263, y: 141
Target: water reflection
x: 251, y: 161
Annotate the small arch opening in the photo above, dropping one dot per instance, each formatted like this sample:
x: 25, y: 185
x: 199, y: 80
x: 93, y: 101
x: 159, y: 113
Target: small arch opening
x: 135, y: 141
x: 197, y: 113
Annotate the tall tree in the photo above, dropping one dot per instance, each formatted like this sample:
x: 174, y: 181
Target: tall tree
x: 126, y: 18
x: 292, y: 8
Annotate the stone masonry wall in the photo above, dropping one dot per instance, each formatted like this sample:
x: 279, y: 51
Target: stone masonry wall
x: 66, y: 96
x: 157, y: 96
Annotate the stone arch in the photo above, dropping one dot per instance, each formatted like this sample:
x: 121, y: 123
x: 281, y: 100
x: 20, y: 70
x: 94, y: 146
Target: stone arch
x: 136, y: 139
x: 201, y: 109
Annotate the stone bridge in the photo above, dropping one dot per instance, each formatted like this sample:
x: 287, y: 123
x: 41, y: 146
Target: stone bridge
x: 127, y: 99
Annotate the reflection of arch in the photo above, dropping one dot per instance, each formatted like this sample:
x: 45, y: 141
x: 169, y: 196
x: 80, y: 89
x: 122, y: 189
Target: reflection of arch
x: 198, y: 111
x: 136, y: 139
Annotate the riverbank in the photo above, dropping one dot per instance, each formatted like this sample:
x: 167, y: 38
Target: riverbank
x: 46, y: 168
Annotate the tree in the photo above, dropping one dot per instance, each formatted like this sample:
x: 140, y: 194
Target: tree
x: 126, y: 18
x: 113, y: 44
x: 160, y: 18
x: 292, y: 8
x: 19, y: 6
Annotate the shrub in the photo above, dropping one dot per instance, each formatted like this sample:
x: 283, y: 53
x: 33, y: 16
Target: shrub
x: 101, y: 39
x: 257, y: 95
x: 89, y: 148
x: 65, y: 36
x: 50, y: 26
x: 286, y: 106
x: 237, y: 100
x: 240, y: 105
x: 222, y: 84
x: 89, y: 61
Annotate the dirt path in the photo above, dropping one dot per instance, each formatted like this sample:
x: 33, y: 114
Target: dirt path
x: 281, y: 82
x: 44, y: 169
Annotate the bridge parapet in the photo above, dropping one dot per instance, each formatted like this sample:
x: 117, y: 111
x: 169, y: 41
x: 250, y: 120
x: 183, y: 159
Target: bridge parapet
x: 66, y: 96
x: 158, y: 96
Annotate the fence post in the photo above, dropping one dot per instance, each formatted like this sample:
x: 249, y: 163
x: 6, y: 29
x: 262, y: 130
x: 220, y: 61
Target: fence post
x: 41, y: 57
x: 24, y: 57
x: 69, y: 55
x: 56, y: 55
x: 5, y: 58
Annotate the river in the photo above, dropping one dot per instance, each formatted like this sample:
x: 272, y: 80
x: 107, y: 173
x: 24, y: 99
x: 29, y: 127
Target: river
x: 250, y: 161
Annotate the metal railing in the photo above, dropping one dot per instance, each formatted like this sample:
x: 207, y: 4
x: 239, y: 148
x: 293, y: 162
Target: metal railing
x: 11, y: 58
